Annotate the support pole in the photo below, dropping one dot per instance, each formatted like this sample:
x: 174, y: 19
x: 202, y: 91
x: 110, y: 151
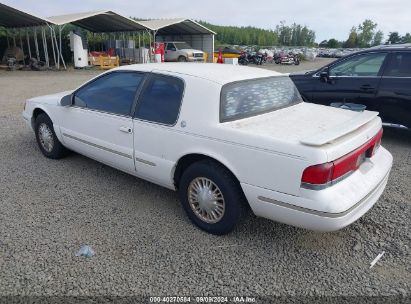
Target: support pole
x: 36, y: 44
x: 61, y: 49
x: 28, y: 43
x: 46, y: 52
x: 22, y: 48
x: 52, y: 46
x: 149, y: 47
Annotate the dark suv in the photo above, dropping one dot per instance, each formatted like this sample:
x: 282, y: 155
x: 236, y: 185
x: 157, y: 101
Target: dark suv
x: 379, y: 78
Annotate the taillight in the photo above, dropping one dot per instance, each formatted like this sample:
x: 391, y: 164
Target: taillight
x: 321, y: 176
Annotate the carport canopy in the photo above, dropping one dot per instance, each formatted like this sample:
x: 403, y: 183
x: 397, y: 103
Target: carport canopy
x: 99, y: 22
x: 13, y: 18
x: 177, y: 26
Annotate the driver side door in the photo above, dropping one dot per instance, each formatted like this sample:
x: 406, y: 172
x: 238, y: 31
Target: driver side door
x: 99, y: 124
x: 171, y: 52
x: 354, y: 80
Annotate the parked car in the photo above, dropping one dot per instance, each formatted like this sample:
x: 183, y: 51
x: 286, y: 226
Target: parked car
x: 379, y: 78
x: 226, y: 138
x: 181, y: 51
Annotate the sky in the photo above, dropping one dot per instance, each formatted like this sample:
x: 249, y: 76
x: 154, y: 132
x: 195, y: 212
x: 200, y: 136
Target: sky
x: 328, y: 18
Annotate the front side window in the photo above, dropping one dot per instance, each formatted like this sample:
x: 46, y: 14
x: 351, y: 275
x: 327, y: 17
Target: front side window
x: 113, y: 93
x: 171, y: 47
x: 399, y: 66
x: 360, y: 65
x: 256, y: 96
x: 161, y: 100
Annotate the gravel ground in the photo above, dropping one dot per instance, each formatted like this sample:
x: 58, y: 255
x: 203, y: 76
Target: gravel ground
x: 144, y: 243
x: 303, y: 66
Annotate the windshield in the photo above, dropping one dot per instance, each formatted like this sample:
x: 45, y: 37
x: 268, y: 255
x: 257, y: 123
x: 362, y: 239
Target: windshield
x: 256, y: 96
x: 182, y: 45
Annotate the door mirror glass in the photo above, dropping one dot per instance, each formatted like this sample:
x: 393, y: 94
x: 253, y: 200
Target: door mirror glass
x: 66, y: 101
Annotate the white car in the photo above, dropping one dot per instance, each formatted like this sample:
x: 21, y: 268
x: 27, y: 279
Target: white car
x: 182, y: 52
x: 226, y: 137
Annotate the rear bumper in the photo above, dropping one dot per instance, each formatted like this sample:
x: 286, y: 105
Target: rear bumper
x: 290, y: 209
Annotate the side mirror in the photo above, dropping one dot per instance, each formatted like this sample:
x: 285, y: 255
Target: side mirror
x: 66, y: 101
x: 324, y: 75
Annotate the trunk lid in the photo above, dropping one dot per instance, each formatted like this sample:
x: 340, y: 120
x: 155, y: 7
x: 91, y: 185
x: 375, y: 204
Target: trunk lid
x: 337, y: 131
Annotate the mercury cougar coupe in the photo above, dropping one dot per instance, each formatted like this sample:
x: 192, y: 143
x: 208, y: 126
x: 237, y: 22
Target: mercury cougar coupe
x: 227, y: 138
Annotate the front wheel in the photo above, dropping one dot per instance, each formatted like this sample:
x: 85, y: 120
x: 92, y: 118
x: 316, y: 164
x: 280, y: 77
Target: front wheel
x: 182, y: 59
x: 212, y: 197
x: 46, y: 138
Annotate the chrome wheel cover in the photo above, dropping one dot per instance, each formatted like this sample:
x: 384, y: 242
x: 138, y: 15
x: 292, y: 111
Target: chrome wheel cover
x: 46, y: 137
x: 206, y: 200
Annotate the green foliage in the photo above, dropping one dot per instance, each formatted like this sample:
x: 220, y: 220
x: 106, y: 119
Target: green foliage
x: 294, y: 35
x: 242, y: 35
x: 366, y: 32
x: 393, y: 38
x: 364, y: 35
x: 333, y: 43
x: 352, y: 40
x: 378, y: 38
x: 406, y: 38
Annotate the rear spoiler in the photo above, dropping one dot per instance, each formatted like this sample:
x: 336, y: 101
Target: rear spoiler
x: 340, y: 130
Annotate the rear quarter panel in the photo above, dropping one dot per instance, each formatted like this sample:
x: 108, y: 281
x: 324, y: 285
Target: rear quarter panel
x: 253, y: 159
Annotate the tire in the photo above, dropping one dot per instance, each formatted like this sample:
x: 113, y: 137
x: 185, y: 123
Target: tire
x: 182, y: 59
x: 46, y: 138
x: 231, y: 207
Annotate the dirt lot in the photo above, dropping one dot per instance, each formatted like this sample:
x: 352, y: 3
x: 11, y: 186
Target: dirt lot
x: 144, y: 243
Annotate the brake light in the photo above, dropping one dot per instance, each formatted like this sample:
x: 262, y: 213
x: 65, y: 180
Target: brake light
x: 322, y: 175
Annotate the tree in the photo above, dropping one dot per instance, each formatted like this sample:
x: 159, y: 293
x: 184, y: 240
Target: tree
x: 393, y: 38
x: 333, y: 43
x: 323, y: 43
x: 366, y: 33
x: 406, y: 38
x: 378, y: 37
x: 352, y: 40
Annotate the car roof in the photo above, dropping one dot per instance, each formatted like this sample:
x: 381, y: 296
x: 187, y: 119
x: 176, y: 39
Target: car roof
x: 219, y: 73
x: 399, y: 46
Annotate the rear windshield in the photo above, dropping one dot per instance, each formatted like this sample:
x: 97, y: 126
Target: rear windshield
x: 256, y: 96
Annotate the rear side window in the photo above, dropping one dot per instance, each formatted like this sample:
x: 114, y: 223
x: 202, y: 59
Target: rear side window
x: 161, y: 100
x: 113, y: 93
x: 256, y: 96
x: 399, y: 65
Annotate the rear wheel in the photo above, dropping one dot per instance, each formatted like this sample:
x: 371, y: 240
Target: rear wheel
x: 212, y: 197
x: 46, y: 138
x: 182, y: 59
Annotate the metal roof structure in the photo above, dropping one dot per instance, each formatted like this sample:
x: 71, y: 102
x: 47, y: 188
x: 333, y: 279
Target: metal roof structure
x: 99, y: 22
x: 13, y: 18
x: 177, y: 26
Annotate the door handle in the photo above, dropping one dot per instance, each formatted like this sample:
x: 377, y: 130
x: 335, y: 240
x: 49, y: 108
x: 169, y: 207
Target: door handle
x: 126, y: 129
x: 367, y: 88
